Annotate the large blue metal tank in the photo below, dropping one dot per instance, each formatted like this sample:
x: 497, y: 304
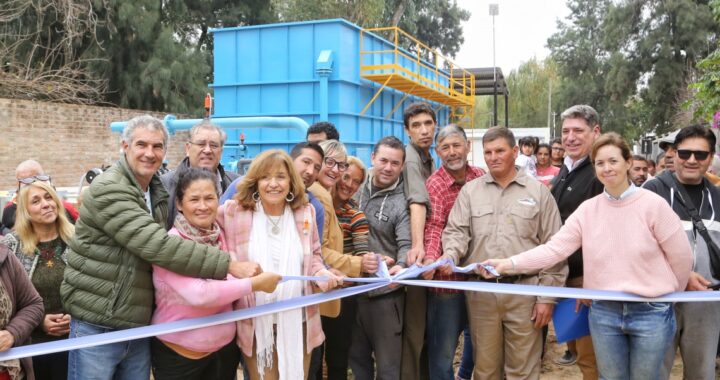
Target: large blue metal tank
x: 278, y: 69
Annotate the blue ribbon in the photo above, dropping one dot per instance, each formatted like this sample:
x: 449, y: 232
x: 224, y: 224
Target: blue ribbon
x: 383, y: 279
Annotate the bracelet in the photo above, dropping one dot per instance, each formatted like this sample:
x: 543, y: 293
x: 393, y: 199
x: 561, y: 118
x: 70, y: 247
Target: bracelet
x: 513, y: 265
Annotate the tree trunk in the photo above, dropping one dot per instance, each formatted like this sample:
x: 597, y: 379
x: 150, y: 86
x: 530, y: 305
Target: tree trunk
x: 399, y: 11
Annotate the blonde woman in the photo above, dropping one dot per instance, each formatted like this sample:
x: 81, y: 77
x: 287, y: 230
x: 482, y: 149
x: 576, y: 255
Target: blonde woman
x: 42, y: 231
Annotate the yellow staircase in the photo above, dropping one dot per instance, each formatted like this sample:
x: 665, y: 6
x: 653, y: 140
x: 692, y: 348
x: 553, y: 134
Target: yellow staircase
x: 424, y: 72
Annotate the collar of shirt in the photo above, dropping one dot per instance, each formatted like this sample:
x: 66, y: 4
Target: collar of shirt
x: 471, y: 172
x: 568, y: 162
x: 520, y: 177
x: 628, y: 192
x: 424, y: 157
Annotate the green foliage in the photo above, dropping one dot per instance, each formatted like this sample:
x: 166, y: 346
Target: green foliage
x: 436, y: 23
x: 707, y: 87
x: 632, y: 59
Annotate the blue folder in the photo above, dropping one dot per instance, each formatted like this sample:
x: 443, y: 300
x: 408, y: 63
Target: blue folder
x: 570, y: 325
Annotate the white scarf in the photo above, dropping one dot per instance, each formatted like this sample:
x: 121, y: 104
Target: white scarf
x: 289, y: 323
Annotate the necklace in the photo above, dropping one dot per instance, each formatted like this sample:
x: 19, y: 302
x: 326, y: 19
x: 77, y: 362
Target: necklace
x: 275, y: 221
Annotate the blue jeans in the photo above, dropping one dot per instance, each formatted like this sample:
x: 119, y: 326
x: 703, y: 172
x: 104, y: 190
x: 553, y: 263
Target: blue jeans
x: 446, y: 319
x: 631, y: 338
x: 116, y: 361
x: 467, y: 362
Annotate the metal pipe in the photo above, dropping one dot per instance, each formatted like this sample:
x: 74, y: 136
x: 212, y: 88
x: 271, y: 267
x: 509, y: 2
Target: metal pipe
x: 174, y: 125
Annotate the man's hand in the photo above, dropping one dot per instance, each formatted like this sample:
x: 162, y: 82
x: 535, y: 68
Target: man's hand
x: 6, y: 340
x: 415, y: 255
x: 265, y: 282
x: 389, y: 261
x: 369, y: 263
x: 697, y: 282
x: 428, y: 275
x: 244, y: 269
x: 56, y: 324
x: 332, y: 281
x: 542, y: 313
x: 393, y: 271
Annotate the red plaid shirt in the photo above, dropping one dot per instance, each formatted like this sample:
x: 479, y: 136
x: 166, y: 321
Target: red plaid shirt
x: 443, y: 191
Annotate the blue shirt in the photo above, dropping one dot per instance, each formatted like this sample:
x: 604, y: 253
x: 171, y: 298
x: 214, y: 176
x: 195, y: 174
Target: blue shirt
x: 319, y: 209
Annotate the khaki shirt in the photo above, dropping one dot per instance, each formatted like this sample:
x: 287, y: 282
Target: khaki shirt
x: 416, y: 171
x: 489, y: 222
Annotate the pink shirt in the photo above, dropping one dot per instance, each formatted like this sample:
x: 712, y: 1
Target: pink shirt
x: 180, y: 297
x: 545, y: 175
x: 634, y: 245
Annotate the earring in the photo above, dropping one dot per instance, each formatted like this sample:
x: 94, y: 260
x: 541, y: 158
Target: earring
x: 292, y: 197
x: 256, y: 196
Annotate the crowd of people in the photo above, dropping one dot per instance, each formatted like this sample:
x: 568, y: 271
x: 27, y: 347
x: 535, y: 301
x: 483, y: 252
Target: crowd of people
x: 580, y: 211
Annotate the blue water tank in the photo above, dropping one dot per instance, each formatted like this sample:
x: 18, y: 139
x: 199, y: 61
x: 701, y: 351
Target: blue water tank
x: 276, y: 70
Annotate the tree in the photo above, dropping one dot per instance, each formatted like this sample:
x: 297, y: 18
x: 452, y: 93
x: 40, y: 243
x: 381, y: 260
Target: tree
x: 706, y: 102
x: 42, y: 46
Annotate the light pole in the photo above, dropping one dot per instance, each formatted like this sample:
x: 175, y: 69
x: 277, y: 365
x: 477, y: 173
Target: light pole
x: 494, y: 11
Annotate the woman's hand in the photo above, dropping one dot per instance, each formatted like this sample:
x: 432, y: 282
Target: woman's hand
x: 265, y: 282
x: 6, y: 340
x: 580, y: 302
x: 502, y: 266
x: 244, y: 269
x: 697, y: 282
x: 56, y: 324
x: 332, y: 281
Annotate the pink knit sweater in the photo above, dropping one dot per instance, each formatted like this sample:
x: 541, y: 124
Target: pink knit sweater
x: 179, y: 297
x: 634, y: 245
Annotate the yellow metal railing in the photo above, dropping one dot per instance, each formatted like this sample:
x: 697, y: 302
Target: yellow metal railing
x: 416, y: 70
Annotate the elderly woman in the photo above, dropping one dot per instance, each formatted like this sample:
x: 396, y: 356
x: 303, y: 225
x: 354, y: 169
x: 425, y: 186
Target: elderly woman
x: 207, y: 353
x: 42, y: 231
x: 270, y: 222
x: 644, y: 250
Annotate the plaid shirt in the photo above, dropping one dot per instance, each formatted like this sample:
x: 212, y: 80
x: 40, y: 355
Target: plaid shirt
x: 443, y: 190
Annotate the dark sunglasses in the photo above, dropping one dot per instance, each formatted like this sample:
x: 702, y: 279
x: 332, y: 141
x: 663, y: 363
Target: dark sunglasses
x: 685, y: 154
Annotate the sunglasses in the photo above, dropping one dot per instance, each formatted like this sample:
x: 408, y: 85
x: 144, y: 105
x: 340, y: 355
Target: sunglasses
x: 39, y: 177
x: 685, y: 154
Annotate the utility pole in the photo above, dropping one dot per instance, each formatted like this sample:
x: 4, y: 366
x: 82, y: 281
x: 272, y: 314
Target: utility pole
x: 494, y: 11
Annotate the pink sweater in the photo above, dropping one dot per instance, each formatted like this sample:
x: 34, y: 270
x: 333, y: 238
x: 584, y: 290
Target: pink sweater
x: 179, y: 297
x: 634, y: 245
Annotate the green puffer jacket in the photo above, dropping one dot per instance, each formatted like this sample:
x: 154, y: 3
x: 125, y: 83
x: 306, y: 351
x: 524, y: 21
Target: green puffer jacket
x: 108, y: 279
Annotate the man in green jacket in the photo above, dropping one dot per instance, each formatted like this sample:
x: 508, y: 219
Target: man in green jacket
x: 121, y: 233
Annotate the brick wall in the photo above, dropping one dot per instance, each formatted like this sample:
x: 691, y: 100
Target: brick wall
x: 67, y: 140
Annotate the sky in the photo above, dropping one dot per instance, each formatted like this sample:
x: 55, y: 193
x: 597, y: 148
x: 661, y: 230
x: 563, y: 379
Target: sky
x: 522, y: 28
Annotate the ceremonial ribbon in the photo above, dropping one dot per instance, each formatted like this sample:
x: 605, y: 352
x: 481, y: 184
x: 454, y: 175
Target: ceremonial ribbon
x: 383, y: 278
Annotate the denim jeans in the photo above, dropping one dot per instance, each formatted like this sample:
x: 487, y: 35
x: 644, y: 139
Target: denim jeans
x: 446, y: 319
x: 631, y: 338
x: 116, y: 361
x: 467, y: 361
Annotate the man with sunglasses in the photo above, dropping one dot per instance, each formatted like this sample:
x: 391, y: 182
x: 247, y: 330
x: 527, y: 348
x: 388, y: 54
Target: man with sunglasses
x: 26, y: 173
x: 203, y: 150
x: 698, y: 323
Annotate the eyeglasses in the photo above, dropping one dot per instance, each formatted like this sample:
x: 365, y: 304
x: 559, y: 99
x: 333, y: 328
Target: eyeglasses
x: 211, y: 144
x: 29, y: 180
x: 685, y: 154
x: 330, y: 162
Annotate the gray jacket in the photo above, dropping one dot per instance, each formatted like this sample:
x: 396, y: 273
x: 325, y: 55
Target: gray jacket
x: 709, y: 211
x: 387, y: 214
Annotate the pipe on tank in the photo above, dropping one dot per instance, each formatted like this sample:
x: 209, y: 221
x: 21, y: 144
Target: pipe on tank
x: 324, y: 69
x: 174, y: 124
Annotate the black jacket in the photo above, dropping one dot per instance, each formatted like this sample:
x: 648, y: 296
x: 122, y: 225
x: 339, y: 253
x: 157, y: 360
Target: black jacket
x: 170, y: 181
x: 570, y: 189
